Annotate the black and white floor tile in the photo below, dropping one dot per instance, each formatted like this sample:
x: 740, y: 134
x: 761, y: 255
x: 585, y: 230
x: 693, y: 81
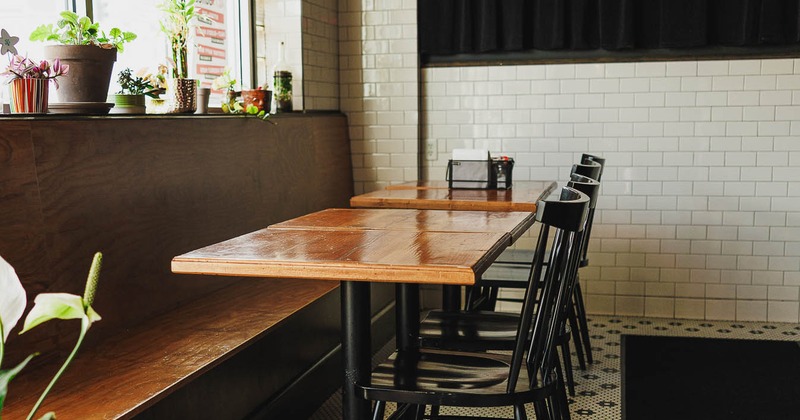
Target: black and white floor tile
x: 598, y: 392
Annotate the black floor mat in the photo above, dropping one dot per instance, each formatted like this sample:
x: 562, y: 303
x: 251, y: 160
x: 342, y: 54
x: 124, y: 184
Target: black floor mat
x: 703, y: 378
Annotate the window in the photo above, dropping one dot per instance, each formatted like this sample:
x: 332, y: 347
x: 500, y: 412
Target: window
x: 219, y: 40
x: 20, y: 18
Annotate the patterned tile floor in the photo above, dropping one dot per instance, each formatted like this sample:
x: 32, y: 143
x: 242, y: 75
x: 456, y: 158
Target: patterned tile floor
x: 598, y: 393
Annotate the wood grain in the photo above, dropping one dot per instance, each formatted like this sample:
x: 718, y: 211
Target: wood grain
x: 519, y: 198
x: 123, y: 375
x: 353, y: 255
x: 513, y: 223
x: 142, y: 191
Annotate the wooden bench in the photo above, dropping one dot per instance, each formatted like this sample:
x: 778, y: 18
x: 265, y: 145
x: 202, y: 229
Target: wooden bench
x: 142, y: 190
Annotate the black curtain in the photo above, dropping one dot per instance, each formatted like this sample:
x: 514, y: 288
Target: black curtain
x: 478, y: 26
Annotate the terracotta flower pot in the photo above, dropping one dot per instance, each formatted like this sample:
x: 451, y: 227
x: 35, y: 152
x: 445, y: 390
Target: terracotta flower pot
x: 29, y: 96
x: 89, y: 74
x: 261, y: 99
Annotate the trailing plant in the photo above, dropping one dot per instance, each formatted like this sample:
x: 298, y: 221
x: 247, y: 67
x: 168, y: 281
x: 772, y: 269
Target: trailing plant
x: 178, y: 14
x: 47, y: 306
x: 73, y: 29
x: 226, y: 82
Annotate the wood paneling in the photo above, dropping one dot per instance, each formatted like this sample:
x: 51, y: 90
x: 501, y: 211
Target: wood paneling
x: 142, y: 190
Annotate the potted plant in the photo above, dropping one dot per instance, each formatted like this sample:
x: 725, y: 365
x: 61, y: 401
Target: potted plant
x: 133, y: 88
x: 89, y: 52
x: 30, y: 83
x: 181, y: 91
x: 254, y: 101
x: 47, y: 306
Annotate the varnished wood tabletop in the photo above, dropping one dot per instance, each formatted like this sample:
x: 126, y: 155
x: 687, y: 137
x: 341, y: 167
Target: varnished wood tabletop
x: 513, y: 223
x: 521, y: 197
x: 352, y: 255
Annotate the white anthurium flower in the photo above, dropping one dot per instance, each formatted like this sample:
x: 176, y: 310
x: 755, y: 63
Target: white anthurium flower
x: 49, y: 306
x: 12, y: 298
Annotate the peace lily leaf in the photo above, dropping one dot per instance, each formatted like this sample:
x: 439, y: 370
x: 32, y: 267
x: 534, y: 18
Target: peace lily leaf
x: 49, y: 306
x: 7, y: 375
x: 12, y: 298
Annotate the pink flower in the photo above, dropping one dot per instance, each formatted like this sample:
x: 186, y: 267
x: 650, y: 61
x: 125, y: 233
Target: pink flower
x: 20, y: 67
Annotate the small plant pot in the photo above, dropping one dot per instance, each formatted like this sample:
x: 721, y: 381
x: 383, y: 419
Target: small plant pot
x: 180, y: 97
x: 29, y: 96
x: 261, y: 99
x: 127, y: 104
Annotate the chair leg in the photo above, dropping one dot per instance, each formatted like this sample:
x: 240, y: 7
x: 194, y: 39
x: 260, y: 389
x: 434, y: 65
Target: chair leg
x: 541, y: 410
x: 576, y: 336
x: 380, y: 408
x: 434, y: 412
x: 567, y: 359
x: 419, y: 412
x: 519, y: 412
x: 580, y: 312
x: 559, y: 399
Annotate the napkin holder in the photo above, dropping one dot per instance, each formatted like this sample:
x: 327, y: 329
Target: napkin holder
x: 486, y: 174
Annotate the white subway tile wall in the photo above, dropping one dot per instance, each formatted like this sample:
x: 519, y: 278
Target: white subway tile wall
x: 700, y: 208
x: 320, y: 54
x: 699, y: 215
x: 378, y: 82
x: 282, y: 23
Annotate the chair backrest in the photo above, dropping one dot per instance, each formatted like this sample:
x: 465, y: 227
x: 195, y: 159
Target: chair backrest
x: 590, y: 169
x: 580, y: 183
x: 586, y: 158
x: 566, y: 216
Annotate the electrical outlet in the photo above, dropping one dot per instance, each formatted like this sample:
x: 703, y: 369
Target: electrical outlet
x: 430, y: 149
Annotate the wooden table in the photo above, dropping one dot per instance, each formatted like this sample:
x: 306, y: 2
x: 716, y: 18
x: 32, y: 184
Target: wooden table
x: 434, y: 195
x: 513, y: 223
x: 357, y: 255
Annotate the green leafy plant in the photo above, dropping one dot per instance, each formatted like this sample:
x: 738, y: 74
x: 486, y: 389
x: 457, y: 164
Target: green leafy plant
x: 225, y: 81
x: 73, y: 29
x: 178, y: 14
x: 135, y: 84
x: 47, y: 306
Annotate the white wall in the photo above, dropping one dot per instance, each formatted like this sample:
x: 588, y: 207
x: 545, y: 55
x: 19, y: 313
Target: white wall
x: 379, y: 89
x: 321, y: 54
x: 700, y: 207
x: 700, y: 215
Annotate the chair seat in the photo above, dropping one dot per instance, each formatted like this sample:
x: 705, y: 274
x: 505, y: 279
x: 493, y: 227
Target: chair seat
x: 469, y: 330
x: 473, y: 330
x: 434, y: 377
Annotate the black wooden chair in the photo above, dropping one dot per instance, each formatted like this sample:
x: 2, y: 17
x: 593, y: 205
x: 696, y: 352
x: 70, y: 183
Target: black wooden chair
x: 432, y: 377
x: 480, y: 330
x: 582, y: 328
x: 591, y: 166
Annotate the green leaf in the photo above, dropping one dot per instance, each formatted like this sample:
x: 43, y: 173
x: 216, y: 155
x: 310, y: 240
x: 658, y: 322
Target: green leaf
x: 42, y: 33
x: 115, y: 32
x: 128, y: 36
x: 54, y: 306
x: 69, y: 16
x: 7, y: 375
x: 85, y: 23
